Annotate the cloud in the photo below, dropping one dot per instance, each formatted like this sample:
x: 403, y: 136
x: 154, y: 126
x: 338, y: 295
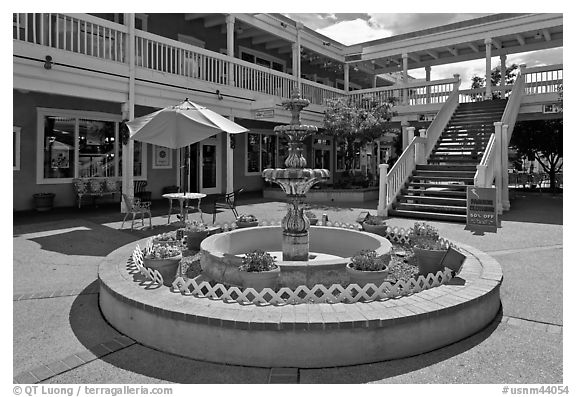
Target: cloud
x: 354, y: 31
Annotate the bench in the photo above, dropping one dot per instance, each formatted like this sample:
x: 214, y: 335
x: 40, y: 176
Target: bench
x: 95, y: 187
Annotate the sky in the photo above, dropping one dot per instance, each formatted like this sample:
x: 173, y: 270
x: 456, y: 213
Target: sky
x: 353, y: 28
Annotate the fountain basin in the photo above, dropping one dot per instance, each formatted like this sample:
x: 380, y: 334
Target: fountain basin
x: 330, y: 248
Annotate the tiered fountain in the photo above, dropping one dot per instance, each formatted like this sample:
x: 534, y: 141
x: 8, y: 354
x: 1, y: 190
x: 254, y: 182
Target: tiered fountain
x: 295, y: 181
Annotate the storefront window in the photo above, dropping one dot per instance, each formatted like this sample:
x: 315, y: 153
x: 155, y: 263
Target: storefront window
x: 59, y: 147
x: 96, y: 142
x: 82, y: 147
x: 138, y: 159
x: 253, y: 152
x: 268, y: 151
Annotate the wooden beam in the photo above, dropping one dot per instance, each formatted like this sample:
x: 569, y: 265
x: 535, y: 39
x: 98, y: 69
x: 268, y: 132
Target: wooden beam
x: 262, y: 39
x: 547, y: 35
x: 453, y: 51
x: 414, y: 57
x: 520, y: 39
x: 496, y: 43
x: 433, y: 54
x: 191, y: 17
x: 214, y: 21
x: 277, y: 44
x: 246, y: 34
x: 474, y: 47
x: 285, y: 50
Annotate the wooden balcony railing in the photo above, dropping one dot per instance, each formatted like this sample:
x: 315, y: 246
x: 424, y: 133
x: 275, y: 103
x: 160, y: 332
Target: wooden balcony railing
x: 92, y: 36
x: 78, y: 33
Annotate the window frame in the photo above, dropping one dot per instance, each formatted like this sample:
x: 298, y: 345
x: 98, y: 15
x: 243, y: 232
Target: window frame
x: 263, y: 56
x: 41, y: 113
x: 16, y: 131
x: 260, y: 133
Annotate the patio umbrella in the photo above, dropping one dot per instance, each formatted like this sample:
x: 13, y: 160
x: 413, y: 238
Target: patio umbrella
x: 181, y: 125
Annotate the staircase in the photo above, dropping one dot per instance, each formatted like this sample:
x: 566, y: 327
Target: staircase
x: 437, y: 190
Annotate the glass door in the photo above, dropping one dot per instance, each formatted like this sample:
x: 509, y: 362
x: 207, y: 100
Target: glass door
x: 210, y: 163
x: 322, y: 155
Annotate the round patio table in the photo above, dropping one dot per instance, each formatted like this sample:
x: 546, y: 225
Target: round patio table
x: 182, y: 197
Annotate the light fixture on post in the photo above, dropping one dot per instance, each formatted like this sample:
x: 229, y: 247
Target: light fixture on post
x: 219, y: 95
x: 326, y: 43
x: 283, y: 24
x: 48, y: 62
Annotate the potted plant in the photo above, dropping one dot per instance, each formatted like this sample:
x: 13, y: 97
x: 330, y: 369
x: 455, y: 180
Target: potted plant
x: 43, y: 201
x: 165, y: 259
x: 367, y: 267
x: 428, y: 248
x: 312, y: 217
x: 246, y: 221
x: 195, y: 232
x: 166, y: 239
x: 259, y: 270
x: 375, y: 224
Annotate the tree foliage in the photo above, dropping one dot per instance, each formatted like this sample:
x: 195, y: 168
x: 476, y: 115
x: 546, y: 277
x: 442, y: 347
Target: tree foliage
x: 542, y: 140
x: 495, y: 78
x: 354, y: 126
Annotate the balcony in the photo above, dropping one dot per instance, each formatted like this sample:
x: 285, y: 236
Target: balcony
x: 90, y: 42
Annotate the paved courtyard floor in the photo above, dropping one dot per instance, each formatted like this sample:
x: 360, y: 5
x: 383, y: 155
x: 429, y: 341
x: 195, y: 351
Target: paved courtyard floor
x: 60, y: 336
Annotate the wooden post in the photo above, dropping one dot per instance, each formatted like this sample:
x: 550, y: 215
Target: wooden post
x: 383, y: 190
x: 346, y: 77
x: 504, y: 151
x: 498, y: 164
x: 428, y: 69
x: 128, y: 113
x: 230, y: 19
x: 405, y: 78
x: 488, y: 43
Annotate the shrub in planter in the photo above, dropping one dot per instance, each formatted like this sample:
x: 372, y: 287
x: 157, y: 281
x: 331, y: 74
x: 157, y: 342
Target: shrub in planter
x: 165, y: 259
x: 195, y: 232
x: 375, y: 224
x: 246, y: 221
x: 367, y: 267
x: 312, y: 217
x: 43, y: 201
x: 167, y: 239
x: 259, y: 270
x: 428, y: 248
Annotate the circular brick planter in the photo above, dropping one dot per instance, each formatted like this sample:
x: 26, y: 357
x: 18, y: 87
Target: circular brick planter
x: 304, y: 335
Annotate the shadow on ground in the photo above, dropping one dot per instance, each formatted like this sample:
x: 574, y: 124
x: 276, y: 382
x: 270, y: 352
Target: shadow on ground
x: 535, y: 208
x: 87, y: 322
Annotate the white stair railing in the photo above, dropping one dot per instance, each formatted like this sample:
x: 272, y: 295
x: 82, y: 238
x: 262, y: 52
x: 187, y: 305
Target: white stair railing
x: 417, y: 152
x: 442, y: 118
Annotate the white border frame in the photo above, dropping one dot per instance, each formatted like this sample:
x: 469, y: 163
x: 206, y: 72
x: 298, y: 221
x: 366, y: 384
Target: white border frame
x: 42, y: 112
x: 155, y: 151
x: 16, y: 134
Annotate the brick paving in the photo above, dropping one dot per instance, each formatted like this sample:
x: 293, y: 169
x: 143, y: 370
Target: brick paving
x: 522, y: 231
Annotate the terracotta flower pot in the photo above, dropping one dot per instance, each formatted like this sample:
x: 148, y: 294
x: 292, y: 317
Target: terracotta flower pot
x: 167, y: 267
x: 376, y: 229
x: 429, y: 260
x: 260, y: 280
x: 193, y: 239
x: 362, y: 277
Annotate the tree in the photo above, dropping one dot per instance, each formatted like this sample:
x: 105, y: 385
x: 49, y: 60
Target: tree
x: 542, y: 140
x: 354, y: 126
x: 495, y: 78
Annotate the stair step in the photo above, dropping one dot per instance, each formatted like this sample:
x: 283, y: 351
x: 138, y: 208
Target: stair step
x: 443, y: 173
x: 468, y: 180
x: 458, y: 149
x: 433, y: 167
x: 451, y: 201
x: 443, y: 209
x: 435, y: 193
x: 447, y: 186
x: 427, y: 215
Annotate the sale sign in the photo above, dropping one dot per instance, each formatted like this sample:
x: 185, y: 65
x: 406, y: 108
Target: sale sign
x: 481, y: 209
